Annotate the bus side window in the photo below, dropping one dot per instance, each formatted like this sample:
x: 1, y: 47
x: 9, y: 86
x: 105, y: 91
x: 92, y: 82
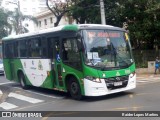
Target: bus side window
x: 22, y: 48
x: 35, y: 47
x: 9, y: 50
x: 43, y: 50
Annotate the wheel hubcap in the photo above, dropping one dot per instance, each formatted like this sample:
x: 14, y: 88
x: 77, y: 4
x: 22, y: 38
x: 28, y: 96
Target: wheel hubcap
x: 74, y: 87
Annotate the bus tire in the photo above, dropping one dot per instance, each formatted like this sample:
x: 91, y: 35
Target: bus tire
x: 74, y: 89
x: 22, y: 81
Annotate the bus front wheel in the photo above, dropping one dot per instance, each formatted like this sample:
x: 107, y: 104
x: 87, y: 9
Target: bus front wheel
x: 22, y: 81
x: 74, y: 89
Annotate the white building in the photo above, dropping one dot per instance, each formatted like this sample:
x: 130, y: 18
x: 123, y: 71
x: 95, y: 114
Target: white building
x: 27, y: 7
x: 0, y: 2
x: 46, y: 19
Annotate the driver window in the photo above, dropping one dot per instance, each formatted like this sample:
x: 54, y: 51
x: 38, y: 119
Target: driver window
x: 70, y: 52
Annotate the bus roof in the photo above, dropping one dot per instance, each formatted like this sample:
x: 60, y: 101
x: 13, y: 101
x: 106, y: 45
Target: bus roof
x: 71, y: 27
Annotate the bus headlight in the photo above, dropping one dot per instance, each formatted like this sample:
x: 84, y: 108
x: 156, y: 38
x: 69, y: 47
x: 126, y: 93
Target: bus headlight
x: 132, y: 74
x: 93, y: 79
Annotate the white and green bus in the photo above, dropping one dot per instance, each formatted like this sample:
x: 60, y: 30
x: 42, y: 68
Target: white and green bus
x: 84, y: 60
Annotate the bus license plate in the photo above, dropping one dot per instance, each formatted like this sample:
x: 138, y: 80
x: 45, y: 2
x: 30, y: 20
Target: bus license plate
x: 117, y: 83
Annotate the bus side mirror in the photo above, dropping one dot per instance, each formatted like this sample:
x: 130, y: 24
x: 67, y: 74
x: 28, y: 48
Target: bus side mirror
x: 79, y: 45
x: 78, y: 35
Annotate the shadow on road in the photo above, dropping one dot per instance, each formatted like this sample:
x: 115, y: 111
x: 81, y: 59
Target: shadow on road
x: 107, y: 97
x: 65, y: 95
x: 44, y: 91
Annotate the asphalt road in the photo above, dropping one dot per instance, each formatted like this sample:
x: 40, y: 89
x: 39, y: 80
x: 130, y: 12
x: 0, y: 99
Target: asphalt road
x: 146, y: 97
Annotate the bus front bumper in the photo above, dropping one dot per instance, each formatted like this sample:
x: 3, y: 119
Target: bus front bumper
x: 98, y: 89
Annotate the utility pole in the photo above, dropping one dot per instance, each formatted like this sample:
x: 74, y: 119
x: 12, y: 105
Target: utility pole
x: 20, y: 22
x: 103, y: 19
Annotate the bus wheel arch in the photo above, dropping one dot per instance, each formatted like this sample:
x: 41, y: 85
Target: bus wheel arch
x: 21, y: 79
x: 73, y: 87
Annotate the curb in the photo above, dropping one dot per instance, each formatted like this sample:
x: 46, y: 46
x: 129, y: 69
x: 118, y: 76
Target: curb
x: 148, y: 75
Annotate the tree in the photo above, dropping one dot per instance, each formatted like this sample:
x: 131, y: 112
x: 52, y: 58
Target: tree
x: 154, y: 11
x: 58, y: 8
x: 88, y: 11
x: 5, y: 27
x: 16, y: 19
x: 141, y: 22
x: 85, y: 11
x: 142, y: 17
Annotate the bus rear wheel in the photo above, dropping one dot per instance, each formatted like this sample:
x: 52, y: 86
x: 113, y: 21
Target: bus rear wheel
x: 74, y: 89
x: 22, y: 81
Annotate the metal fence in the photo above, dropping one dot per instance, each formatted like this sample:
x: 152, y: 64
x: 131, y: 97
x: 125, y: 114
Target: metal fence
x: 142, y: 57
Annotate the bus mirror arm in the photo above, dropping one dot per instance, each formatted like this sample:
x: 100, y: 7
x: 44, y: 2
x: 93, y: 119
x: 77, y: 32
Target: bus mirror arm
x: 79, y: 42
x: 80, y: 48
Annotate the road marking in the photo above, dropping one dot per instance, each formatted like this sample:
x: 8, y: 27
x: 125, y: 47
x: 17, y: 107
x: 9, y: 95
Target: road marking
x: 140, y: 94
x: 35, y: 105
x: 139, y: 77
x: 44, y: 95
x: 140, y: 81
x: 156, y: 78
x: 7, y: 106
x: 6, y: 83
x: 25, y: 98
x: 147, y: 80
x: 41, y: 94
x: 134, y: 108
x: 1, y: 92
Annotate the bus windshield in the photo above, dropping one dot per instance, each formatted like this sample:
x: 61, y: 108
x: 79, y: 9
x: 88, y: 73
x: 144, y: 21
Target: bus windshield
x: 107, y: 49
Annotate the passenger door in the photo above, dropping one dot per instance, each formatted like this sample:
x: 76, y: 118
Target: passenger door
x: 54, y: 55
x: 58, y: 64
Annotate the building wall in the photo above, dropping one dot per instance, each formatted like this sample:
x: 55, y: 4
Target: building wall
x: 47, y: 16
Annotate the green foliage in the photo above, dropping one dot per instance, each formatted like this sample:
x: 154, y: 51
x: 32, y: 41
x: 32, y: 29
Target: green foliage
x: 141, y: 16
x: 141, y: 23
x: 12, y: 21
x: 16, y: 19
x: 4, y: 25
x: 85, y: 11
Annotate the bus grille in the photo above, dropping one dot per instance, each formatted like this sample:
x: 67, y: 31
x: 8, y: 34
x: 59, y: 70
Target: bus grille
x: 116, y: 82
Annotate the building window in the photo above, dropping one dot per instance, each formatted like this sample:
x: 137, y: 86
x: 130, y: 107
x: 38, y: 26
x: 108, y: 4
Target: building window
x: 33, y: 9
x: 45, y: 21
x: 6, y: 3
x: 51, y: 19
x: 24, y: 9
x: 39, y: 23
x: 26, y: 25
